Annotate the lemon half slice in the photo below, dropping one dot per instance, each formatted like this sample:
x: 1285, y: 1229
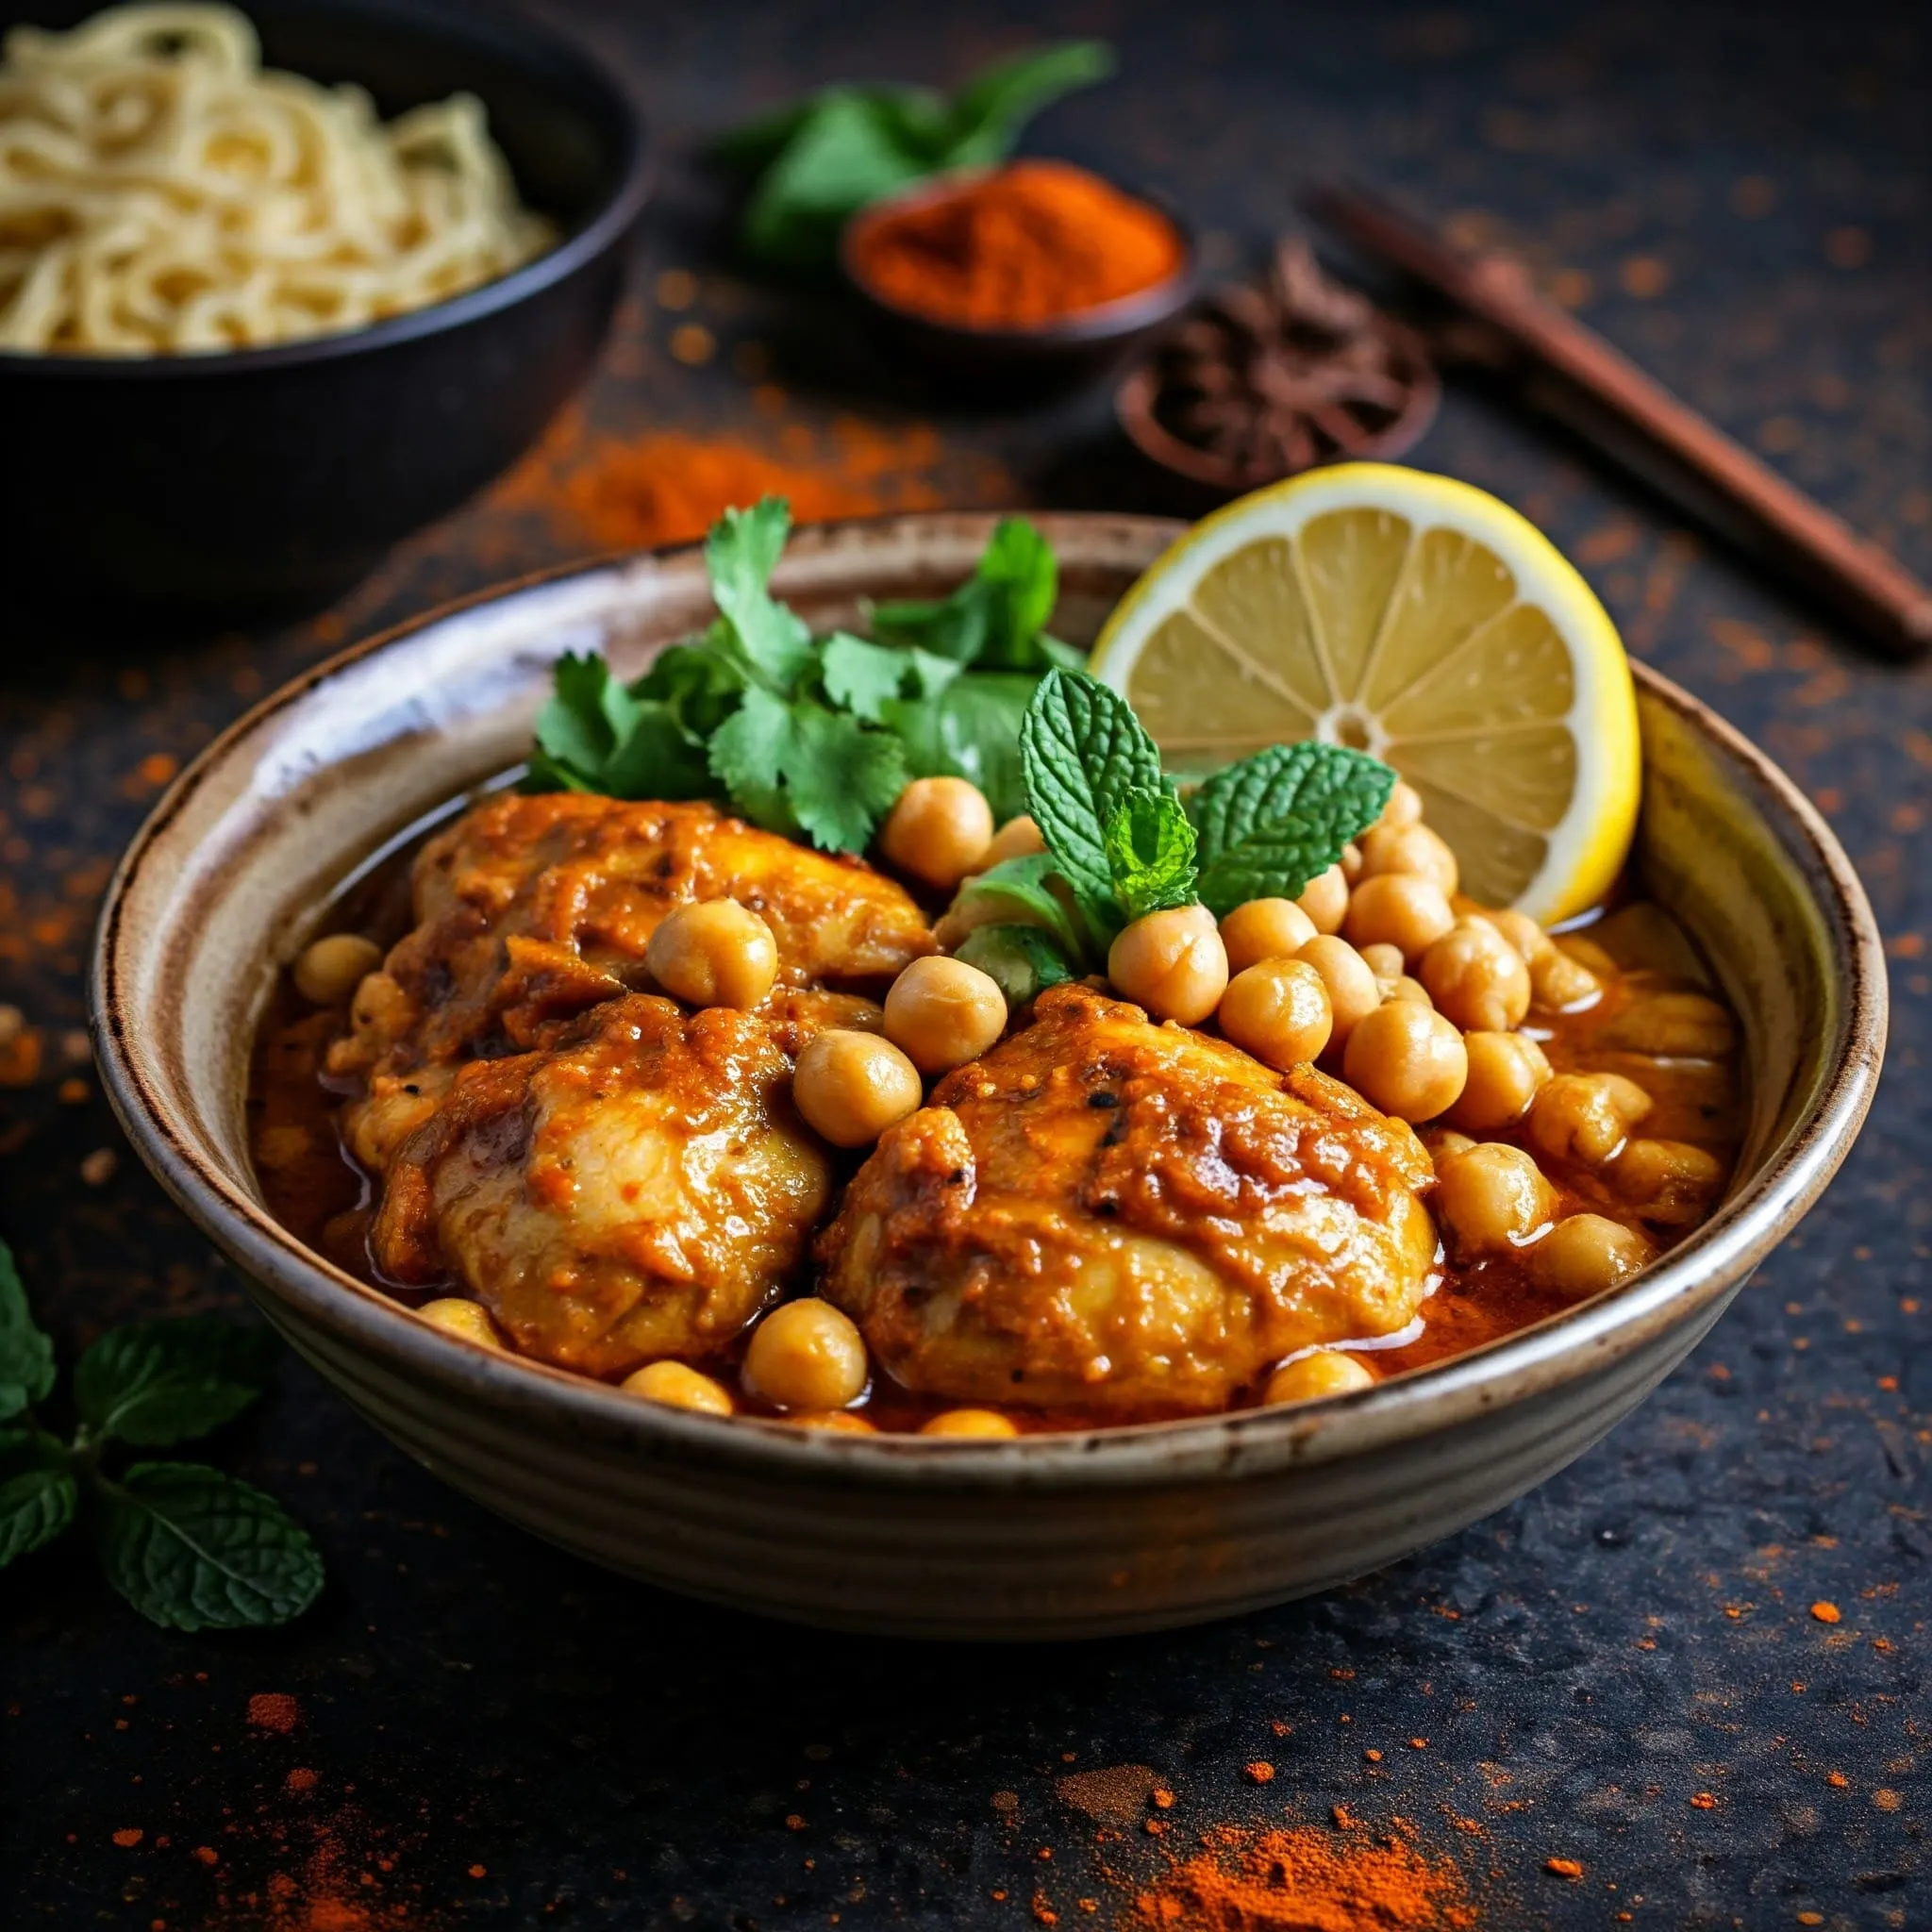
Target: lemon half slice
x: 1412, y: 617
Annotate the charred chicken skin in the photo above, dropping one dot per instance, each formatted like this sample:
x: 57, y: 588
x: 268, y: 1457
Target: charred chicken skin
x: 639, y: 1189
x: 1110, y: 1215
x: 531, y: 910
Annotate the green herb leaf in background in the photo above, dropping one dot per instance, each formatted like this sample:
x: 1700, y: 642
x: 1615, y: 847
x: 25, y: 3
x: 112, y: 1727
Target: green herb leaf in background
x: 741, y: 554
x: 193, y: 1549
x: 1150, y: 851
x: 154, y: 1382
x: 865, y: 678
x: 995, y: 618
x: 1022, y: 960
x: 1083, y: 751
x: 26, y: 1353
x: 970, y: 730
x: 1025, y: 892
x: 188, y: 1546
x: 1275, y: 821
x: 818, y: 162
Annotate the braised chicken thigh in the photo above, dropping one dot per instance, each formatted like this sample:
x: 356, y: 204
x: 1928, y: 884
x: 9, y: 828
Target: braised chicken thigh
x: 1111, y: 1215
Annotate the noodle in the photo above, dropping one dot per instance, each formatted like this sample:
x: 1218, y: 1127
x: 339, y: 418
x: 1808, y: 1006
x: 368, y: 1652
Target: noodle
x: 161, y: 191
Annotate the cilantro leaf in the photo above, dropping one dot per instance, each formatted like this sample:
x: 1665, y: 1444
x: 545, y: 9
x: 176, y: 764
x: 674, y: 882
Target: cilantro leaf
x: 1082, y: 751
x: 34, y: 1509
x: 995, y: 617
x: 801, y: 766
x: 1275, y: 821
x: 193, y: 1549
x: 26, y: 1353
x: 166, y: 1380
x: 819, y: 160
x: 741, y: 554
x: 594, y: 735
x: 864, y: 678
x: 970, y: 730
x: 1150, y: 851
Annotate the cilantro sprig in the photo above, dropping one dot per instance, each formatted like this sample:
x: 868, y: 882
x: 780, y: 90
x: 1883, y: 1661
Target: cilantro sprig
x: 818, y: 162
x: 1121, y: 841
x: 188, y: 1546
x: 812, y: 736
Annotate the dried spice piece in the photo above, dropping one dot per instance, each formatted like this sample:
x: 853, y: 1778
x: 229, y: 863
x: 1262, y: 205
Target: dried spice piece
x: 1266, y: 379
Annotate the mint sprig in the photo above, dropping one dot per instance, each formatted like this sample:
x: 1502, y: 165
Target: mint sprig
x: 1150, y: 852
x: 188, y: 1546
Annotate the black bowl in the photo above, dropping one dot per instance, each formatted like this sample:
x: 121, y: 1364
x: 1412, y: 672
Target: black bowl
x: 1020, y: 362
x: 256, y: 478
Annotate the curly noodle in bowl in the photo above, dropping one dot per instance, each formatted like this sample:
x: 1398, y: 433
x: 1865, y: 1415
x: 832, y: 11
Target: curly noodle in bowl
x: 161, y: 191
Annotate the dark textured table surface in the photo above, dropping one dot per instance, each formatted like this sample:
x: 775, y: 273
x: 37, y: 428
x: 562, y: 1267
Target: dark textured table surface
x: 1633, y: 1669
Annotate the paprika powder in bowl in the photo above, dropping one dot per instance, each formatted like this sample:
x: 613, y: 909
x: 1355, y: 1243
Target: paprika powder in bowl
x: 1031, y: 276
x: 1078, y: 1532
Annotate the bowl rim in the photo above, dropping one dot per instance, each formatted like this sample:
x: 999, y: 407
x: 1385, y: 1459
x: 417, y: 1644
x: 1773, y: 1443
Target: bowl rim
x: 1699, y: 1274
x: 607, y: 223
x: 1107, y: 322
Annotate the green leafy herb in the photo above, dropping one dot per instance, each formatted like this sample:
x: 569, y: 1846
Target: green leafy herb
x: 819, y: 160
x: 1026, y: 892
x: 1275, y: 821
x: 1150, y: 852
x: 188, y: 1546
x: 1083, y: 752
x: 1021, y: 958
x: 996, y: 618
x: 808, y: 736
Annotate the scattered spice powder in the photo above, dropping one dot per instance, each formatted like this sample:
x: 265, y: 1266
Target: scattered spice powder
x: 1026, y: 244
x: 1563, y: 1868
x: 1825, y: 1612
x: 275, y: 1711
x: 1303, y: 1878
x: 1259, y: 1773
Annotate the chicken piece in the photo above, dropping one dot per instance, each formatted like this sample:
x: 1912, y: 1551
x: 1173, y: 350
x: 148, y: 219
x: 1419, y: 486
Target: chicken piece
x: 1111, y: 1215
x: 639, y: 1189
x: 530, y: 911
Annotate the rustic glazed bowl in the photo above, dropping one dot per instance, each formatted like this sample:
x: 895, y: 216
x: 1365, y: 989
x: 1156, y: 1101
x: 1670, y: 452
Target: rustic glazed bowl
x: 1059, y: 1535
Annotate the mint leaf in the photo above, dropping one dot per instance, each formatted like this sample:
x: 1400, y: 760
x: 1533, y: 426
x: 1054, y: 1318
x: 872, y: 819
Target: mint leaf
x: 1275, y: 821
x: 1150, y: 851
x: 801, y: 767
x: 26, y: 1353
x: 34, y: 1509
x: 1082, y: 751
x: 193, y: 1549
x: 995, y: 617
x: 1023, y: 959
x: 1023, y: 892
x: 741, y: 554
x: 164, y: 1381
x: 970, y: 730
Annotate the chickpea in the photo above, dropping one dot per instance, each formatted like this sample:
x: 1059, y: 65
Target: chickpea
x: 1524, y: 933
x: 381, y: 1007
x: 1476, y: 978
x: 1264, y: 930
x: 1385, y: 961
x: 1492, y: 1199
x: 1348, y: 978
x: 970, y: 1422
x: 851, y: 1086
x: 1018, y: 837
x: 1279, y: 1011
x: 1324, y: 899
x: 841, y: 1421
x: 944, y: 1012
x: 1405, y: 806
x: 807, y: 1355
x: 1406, y: 1059
x: 1559, y: 983
x: 1585, y: 1254
x: 678, y: 1385
x: 1668, y: 1181
x: 1675, y: 1025
x: 1505, y: 1070
x: 1445, y: 1145
x: 1351, y: 863
x: 1327, y: 1372
x: 1589, y: 955
x: 716, y: 952
x: 1398, y: 910
x: 939, y: 831
x: 467, y: 1320
x: 1585, y: 1117
x: 1403, y: 988
x: 1410, y: 851
x: 329, y: 970
x: 1172, y: 964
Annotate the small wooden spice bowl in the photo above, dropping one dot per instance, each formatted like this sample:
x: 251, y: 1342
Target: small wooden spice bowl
x: 1212, y: 478
x: 1069, y: 350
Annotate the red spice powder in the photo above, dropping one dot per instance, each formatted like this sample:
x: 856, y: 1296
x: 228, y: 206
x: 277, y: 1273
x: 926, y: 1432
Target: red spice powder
x: 1303, y: 1878
x: 275, y: 1711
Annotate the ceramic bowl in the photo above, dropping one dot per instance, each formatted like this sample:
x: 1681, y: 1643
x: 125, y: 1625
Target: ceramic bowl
x: 1052, y: 1537
x: 259, y: 479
